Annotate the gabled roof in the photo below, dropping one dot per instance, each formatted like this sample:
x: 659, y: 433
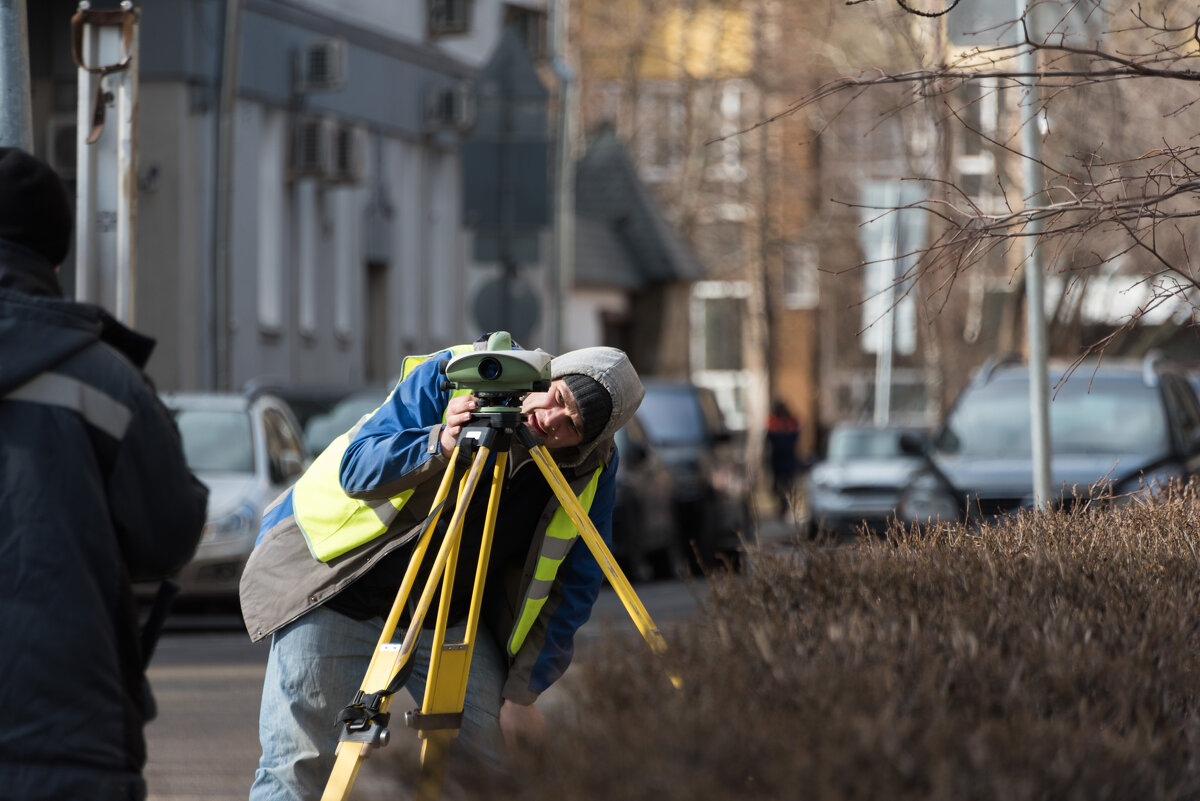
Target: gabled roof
x: 622, y: 237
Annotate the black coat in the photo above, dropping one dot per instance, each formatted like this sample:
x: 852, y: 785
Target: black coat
x: 94, y: 494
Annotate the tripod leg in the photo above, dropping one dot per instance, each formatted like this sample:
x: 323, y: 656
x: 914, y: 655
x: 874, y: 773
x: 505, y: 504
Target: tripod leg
x: 389, y: 659
x: 600, y: 550
x: 440, y: 716
x: 350, y: 754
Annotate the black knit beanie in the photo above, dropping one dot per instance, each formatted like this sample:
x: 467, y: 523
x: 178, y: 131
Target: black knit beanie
x: 593, y: 401
x: 35, y: 210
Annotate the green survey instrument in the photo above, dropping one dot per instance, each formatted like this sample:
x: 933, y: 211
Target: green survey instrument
x: 496, y: 375
x: 500, y: 370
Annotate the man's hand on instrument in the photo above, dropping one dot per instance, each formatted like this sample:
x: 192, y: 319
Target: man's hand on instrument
x: 458, y: 414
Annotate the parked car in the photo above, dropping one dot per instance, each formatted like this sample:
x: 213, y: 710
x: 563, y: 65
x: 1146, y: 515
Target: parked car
x: 1125, y: 428
x: 646, y: 540
x: 248, y: 450
x: 711, y: 498
x: 323, y: 428
x: 858, y: 483
x: 312, y: 405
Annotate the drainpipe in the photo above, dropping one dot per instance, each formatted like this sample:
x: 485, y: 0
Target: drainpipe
x: 16, y: 123
x: 562, y: 276
x: 218, y: 283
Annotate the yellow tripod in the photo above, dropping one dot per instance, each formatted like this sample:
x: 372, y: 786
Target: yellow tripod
x: 440, y: 716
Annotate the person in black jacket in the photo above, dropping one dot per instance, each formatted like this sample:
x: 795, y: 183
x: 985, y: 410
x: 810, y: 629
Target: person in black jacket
x: 94, y: 494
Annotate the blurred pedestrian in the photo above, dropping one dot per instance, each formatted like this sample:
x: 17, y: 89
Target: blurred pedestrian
x: 94, y: 494
x: 783, y: 433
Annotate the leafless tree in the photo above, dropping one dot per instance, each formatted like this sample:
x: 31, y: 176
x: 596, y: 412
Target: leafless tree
x: 1116, y: 85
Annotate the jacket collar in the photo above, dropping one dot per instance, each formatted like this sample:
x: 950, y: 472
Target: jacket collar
x: 23, y: 270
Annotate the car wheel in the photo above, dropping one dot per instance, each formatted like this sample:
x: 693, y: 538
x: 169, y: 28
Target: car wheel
x: 807, y: 529
x: 628, y: 539
x: 696, y: 534
x: 669, y: 562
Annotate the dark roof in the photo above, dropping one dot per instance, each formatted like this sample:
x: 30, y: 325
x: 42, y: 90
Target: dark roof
x: 601, y: 257
x: 622, y: 237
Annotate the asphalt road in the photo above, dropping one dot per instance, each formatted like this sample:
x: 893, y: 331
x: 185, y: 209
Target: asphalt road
x: 207, y: 677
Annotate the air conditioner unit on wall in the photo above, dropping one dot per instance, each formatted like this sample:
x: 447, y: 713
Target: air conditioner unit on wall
x: 312, y: 147
x: 319, y: 66
x: 449, y: 108
x: 349, y: 154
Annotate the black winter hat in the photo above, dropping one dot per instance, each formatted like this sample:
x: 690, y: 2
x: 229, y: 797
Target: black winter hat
x: 35, y: 210
x: 592, y: 400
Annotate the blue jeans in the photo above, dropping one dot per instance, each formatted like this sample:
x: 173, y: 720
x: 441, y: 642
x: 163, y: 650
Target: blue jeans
x: 315, y: 668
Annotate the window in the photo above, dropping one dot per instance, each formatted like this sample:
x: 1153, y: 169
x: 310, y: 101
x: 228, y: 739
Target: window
x: 283, y: 448
x: 530, y: 25
x: 449, y: 17
x: 348, y: 232
x: 308, y: 238
x: 801, y: 282
x: 660, y: 130
x: 216, y: 441
x: 719, y: 309
x: 272, y: 210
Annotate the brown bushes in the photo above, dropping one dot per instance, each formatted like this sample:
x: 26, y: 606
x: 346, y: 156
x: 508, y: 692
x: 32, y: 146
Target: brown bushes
x: 1048, y: 657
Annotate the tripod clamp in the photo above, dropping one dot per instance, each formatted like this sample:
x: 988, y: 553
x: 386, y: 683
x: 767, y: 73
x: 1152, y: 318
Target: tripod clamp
x: 416, y: 719
x: 363, y: 720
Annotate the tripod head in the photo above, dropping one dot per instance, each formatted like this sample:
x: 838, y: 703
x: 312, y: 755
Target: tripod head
x: 498, y: 376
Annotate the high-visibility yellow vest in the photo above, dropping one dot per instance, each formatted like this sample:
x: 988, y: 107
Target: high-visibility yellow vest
x: 333, y: 522
x: 560, y: 536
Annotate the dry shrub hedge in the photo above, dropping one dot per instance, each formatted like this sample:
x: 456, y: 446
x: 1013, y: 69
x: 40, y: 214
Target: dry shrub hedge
x: 1049, y: 656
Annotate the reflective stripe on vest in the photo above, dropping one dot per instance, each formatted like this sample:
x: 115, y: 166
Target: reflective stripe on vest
x: 560, y: 536
x: 333, y: 523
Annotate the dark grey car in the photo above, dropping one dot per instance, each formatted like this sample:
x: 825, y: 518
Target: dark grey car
x: 1127, y: 428
x: 710, y: 500
x: 645, y: 534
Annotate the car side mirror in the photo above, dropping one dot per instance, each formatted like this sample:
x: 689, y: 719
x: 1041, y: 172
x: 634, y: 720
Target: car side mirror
x: 290, y: 465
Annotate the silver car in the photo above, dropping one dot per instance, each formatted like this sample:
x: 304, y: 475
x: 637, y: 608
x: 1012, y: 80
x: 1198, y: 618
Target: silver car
x: 247, y: 450
x: 859, y: 482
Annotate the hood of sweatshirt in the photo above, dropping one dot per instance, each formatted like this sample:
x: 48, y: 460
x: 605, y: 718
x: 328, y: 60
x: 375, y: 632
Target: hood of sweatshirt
x: 40, y: 329
x: 613, y: 370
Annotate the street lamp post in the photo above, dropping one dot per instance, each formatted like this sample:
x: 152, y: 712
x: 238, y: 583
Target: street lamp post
x: 1039, y: 396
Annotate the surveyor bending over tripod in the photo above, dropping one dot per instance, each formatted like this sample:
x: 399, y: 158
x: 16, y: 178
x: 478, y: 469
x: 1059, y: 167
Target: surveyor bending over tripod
x: 323, y: 596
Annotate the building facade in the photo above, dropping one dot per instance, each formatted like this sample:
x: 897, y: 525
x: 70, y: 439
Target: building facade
x: 299, y: 171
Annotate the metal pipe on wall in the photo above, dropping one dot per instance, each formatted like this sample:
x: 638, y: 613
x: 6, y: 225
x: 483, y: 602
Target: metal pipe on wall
x: 16, y: 115
x: 217, y: 349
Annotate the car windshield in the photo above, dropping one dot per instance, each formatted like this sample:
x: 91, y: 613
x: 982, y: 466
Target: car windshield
x: 1087, y: 415
x: 846, y: 444
x: 672, y: 417
x: 216, y: 441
